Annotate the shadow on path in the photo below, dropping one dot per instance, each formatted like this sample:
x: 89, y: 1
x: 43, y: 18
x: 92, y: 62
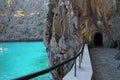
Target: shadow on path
x: 104, y: 64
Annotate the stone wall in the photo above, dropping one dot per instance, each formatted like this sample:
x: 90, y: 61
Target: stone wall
x: 22, y: 20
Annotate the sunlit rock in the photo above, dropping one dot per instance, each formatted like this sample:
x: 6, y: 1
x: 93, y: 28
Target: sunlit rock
x: 22, y: 20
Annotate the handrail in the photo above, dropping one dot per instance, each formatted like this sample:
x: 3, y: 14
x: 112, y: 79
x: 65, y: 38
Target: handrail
x: 32, y: 75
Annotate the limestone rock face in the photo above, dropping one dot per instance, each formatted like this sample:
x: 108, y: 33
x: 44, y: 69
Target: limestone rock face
x: 61, y: 39
x: 71, y: 22
x: 22, y: 19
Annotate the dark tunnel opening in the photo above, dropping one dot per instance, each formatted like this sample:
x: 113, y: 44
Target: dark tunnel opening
x: 98, y: 39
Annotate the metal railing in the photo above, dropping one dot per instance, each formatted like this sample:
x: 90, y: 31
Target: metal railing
x: 39, y: 73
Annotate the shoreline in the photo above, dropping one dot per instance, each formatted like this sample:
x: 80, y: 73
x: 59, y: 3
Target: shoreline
x: 36, y: 40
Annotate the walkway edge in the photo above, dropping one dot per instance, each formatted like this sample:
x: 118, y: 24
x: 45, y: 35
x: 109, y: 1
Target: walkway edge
x: 84, y: 73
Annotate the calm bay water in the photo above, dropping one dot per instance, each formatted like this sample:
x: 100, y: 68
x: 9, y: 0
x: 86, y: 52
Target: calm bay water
x: 21, y: 58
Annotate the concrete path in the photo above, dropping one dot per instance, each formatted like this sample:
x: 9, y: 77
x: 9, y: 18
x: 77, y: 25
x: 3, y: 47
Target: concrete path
x: 83, y: 73
x: 104, y: 64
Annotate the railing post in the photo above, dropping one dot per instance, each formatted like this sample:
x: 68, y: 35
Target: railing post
x: 61, y: 72
x: 75, y: 68
x: 80, y: 60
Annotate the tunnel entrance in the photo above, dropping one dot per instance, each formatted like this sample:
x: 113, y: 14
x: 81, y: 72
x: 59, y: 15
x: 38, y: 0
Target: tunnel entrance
x: 98, y: 39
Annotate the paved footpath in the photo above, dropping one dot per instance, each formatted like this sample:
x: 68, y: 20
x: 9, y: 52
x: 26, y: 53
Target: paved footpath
x: 104, y: 64
x: 83, y: 73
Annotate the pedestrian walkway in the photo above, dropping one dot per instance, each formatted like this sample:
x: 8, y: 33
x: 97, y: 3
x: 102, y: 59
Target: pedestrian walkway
x: 83, y: 73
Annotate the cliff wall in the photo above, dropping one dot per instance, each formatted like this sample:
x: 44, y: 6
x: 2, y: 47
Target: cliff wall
x: 71, y: 22
x: 22, y: 20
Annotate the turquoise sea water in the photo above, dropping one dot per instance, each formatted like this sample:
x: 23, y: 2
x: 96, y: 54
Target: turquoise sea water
x: 21, y: 58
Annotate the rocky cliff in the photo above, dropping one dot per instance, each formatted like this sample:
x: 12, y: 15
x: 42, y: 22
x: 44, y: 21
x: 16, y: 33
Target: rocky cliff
x: 22, y: 19
x: 71, y: 22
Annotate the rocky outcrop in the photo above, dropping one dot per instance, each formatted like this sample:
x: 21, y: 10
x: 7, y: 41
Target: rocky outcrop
x: 61, y: 39
x: 71, y: 22
x: 22, y: 19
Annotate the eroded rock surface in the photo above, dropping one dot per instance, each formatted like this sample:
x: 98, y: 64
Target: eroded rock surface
x: 22, y: 19
x: 71, y: 22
